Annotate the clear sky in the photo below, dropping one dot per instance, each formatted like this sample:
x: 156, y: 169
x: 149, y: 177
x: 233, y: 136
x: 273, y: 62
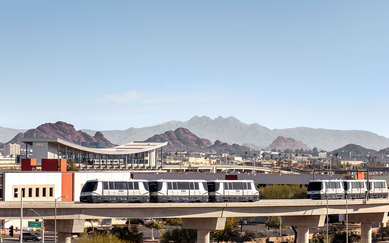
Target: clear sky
x: 120, y: 64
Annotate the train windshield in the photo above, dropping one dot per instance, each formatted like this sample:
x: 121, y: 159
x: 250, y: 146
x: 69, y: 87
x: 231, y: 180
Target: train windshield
x: 90, y: 186
x: 314, y: 186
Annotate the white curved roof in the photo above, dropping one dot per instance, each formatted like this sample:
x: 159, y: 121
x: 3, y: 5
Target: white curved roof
x: 129, y: 148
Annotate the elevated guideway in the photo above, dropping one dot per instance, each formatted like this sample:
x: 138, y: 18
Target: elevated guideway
x: 302, y: 213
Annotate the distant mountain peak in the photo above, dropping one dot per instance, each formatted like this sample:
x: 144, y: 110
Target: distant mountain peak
x: 65, y: 131
x: 282, y: 143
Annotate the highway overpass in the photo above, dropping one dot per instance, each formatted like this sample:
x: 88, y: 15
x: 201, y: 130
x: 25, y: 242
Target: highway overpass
x: 302, y: 213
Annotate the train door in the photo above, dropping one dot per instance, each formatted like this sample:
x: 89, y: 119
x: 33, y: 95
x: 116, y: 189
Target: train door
x: 228, y: 189
x: 105, y: 191
x: 172, y: 190
x: 183, y: 191
x: 111, y: 190
x: 238, y: 190
x: 211, y: 187
x: 194, y: 192
x: 133, y: 191
x: 121, y: 190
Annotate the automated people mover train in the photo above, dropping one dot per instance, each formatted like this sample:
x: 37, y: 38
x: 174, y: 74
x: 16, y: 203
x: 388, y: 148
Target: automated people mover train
x: 338, y: 189
x: 132, y: 191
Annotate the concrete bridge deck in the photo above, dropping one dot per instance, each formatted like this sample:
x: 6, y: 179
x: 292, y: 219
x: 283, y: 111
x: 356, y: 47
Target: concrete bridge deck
x: 303, y: 213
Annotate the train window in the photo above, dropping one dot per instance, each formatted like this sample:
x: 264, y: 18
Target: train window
x: 29, y: 192
x: 379, y: 184
x: 44, y: 192
x: 51, y: 192
x: 169, y: 185
x: 196, y: 184
x: 16, y: 194
x: 249, y: 185
x: 315, y: 186
x: 36, y: 192
x: 175, y: 186
x: 230, y: 186
x: 183, y: 185
x: 130, y: 185
x: 105, y: 185
x: 237, y: 185
x: 120, y: 185
x: 111, y: 185
x: 136, y: 185
x: 89, y: 187
x: 24, y: 192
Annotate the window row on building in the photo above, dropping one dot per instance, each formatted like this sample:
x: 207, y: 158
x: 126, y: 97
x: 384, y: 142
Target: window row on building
x: 33, y: 192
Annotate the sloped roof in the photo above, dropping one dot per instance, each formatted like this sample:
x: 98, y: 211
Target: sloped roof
x: 129, y: 148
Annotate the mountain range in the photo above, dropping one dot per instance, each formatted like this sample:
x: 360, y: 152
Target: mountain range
x: 231, y: 130
x: 184, y: 140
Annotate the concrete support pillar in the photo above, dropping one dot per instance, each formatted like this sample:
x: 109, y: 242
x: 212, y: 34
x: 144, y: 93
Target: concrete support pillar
x: 367, y: 220
x: 64, y: 237
x: 203, y: 226
x: 303, y: 223
x: 203, y: 236
x: 65, y: 228
x: 366, y: 232
x: 302, y: 234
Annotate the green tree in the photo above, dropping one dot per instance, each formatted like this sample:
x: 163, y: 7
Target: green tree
x: 154, y: 224
x: 173, y: 221
x: 131, y: 234
x: 178, y: 235
x: 228, y: 233
x: 283, y: 192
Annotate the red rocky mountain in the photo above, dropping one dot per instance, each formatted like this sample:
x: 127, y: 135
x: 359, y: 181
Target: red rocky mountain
x: 184, y: 140
x: 66, y: 132
x: 181, y: 139
x: 282, y: 143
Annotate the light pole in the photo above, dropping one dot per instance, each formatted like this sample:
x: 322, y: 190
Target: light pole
x: 43, y: 225
x: 21, y: 214
x: 346, y: 219
x: 55, y: 217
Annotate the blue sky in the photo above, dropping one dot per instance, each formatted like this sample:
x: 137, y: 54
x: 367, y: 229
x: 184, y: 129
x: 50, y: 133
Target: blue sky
x: 120, y: 64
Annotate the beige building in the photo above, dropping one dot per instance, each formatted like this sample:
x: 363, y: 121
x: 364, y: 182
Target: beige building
x: 351, y: 162
x: 198, y: 161
x: 11, y: 150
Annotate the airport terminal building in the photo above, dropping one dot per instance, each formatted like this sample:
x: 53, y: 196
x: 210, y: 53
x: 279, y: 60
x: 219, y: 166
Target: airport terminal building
x: 134, y: 155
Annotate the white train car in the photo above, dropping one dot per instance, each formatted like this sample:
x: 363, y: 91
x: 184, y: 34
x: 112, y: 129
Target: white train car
x: 232, y: 191
x: 129, y: 191
x: 378, y: 189
x: 353, y: 189
x: 325, y: 189
x: 178, y: 191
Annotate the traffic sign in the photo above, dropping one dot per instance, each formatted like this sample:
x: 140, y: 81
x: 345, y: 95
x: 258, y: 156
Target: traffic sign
x: 34, y: 224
